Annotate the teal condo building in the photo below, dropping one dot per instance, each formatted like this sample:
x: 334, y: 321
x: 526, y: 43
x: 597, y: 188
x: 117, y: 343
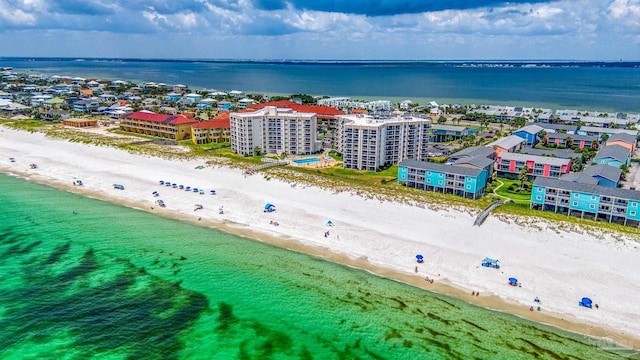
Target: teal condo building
x: 460, y: 180
x: 589, y: 201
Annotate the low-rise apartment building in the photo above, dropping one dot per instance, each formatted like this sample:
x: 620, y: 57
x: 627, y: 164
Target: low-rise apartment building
x: 369, y: 143
x: 216, y: 130
x: 448, y: 179
x: 174, y: 127
x: 587, y: 200
x: 509, y: 165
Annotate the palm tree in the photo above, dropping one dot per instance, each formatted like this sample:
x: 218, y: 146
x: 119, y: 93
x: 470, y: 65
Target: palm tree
x: 569, y: 142
x: 543, y: 137
x: 523, y: 175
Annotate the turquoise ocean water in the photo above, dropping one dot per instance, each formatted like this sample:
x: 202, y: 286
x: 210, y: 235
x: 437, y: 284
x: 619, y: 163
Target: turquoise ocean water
x: 586, y: 86
x: 81, y: 278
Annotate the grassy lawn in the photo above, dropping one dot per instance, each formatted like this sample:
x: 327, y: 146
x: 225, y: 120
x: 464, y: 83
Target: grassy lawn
x: 511, y: 190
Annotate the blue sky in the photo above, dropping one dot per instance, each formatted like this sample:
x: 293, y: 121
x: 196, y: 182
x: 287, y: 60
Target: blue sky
x: 323, y: 29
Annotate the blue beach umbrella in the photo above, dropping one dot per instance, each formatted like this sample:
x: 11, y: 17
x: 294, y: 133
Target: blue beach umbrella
x: 586, y: 301
x: 513, y: 280
x: 419, y: 257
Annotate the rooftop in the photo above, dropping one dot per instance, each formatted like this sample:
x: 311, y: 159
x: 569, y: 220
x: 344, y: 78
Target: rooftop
x: 507, y: 142
x: 587, y: 188
x: 451, y: 169
x: 615, y: 152
x: 369, y: 120
x: 534, y: 158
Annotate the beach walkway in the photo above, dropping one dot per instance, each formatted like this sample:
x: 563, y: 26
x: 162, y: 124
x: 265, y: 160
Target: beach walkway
x: 485, y: 213
x: 268, y: 163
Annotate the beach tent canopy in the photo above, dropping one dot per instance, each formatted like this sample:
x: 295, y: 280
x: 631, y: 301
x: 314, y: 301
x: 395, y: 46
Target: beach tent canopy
x: 513, y: 280
x: 268, y: 206
x: 419, y: 257
x: 490, y: 261
x: 586, y: 301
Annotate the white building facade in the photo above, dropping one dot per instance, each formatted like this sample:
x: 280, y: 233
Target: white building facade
x: 274, y: 131
x: 369, y: 143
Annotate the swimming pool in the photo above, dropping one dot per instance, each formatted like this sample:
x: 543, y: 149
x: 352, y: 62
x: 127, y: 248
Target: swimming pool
x: 307, y: 161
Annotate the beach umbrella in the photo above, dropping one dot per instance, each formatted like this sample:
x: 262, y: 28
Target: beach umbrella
x: 419, y: 257
x: 586, y: 301
x: 513, y: 280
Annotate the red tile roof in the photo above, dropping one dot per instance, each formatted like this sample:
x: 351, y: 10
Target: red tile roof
x: 182, y: 119
x: 321, y: 111
x: 149, y: 116
x: 219, y: 122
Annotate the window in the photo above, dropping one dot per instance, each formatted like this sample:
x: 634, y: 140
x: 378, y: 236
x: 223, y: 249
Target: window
x: 632, y: 213
x: 439, y: 182
x: 428, y: 180
x: 576, y: 195
x: 634, y: 204
x: 428, y: 172
x: 538, y: 197
x: 593, y: 197
x: 539, y: 189
x: 575, y: 203
x: 468, y: 186
x: 592, y: 206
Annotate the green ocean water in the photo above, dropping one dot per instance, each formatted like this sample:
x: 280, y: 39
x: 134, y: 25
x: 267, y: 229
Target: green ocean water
x: 81, y: 278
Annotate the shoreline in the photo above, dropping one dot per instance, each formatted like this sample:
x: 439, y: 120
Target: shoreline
x: 293, y: 241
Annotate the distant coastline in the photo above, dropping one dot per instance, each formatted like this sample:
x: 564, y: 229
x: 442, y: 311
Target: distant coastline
x: 451, y: 62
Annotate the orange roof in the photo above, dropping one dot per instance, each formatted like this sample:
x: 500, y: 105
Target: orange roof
x: 87, y: 91
x: 182, y: 119
x: 149, y: 116
x: 219, y: 122
x: 321, y: 111
x: 122, y: 102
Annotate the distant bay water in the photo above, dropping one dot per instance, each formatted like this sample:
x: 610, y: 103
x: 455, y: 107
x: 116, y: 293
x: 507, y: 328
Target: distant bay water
x: 81, y: 278
x: 590, y: 86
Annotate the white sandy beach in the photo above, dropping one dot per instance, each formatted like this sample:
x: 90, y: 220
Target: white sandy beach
x: 557, y: 266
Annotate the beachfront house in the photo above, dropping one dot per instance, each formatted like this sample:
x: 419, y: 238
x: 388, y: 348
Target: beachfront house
x: 442, y: 133
x: 172, y: 96
x: 529, y: 133
x: 586, y: 201
x: 511, y: 143
x: 80, y: 123
x: 224, y: 106
x: 192, y: 98
x: 274, y: 130
x: 216, y: 130
x: 244, y: 103
x: 447, y: 179
x: 623, y: 139
x: 85, y: 106
x: 370, y: 143
x: 509, y: 165
x: 174, y: 127
x: 614, y: 155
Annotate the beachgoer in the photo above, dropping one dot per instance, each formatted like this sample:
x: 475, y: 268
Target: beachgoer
x: 477, y: 293
x: 473, y: 293
x: 199, y: 218
x: 597, y: 307
x: 416, y: 269
x: 530, y: 308
x: 538, y: 308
